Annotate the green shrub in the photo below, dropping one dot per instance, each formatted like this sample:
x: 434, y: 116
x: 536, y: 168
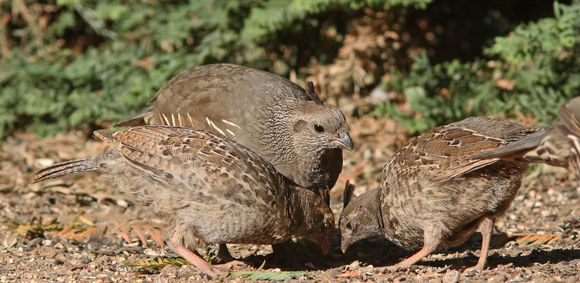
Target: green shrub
x: 81, y: 64
x: 533, y: 70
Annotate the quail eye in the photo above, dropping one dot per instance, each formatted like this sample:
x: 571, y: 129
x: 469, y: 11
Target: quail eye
x: 318, y: 128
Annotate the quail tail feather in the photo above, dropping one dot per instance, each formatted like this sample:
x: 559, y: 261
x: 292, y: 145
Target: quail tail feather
x: 570, y: 118
x: 558, y: 145
x: 562, y: 145
x: 136, y: 120
x: 65, y: 168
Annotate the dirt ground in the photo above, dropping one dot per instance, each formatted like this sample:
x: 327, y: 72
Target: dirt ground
x: 70, y: 230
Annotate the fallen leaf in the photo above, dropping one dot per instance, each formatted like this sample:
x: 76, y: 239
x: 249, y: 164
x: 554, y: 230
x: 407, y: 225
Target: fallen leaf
x: 269, y: 275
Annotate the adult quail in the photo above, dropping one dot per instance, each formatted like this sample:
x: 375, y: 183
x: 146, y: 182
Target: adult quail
x: 288, y: 126
x: 206, y: 187
x: 456, y: 179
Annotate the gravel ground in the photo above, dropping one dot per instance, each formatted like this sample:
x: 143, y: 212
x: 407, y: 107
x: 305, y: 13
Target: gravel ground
x: 69, y: 230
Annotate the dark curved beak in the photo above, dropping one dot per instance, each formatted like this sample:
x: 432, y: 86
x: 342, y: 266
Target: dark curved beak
x: 344, y: 141
x: 323, y: 243
x: 325, y: 247
x: 344, y: 244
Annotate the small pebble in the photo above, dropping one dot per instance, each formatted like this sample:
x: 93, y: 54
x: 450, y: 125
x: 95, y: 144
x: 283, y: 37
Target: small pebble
x: 470, y: 272
x: 169, y: 270
x: 354, y: 265
x: 34, y: 242
x: 152, y: 252
x: 43, y: 162
x: 451, y: 276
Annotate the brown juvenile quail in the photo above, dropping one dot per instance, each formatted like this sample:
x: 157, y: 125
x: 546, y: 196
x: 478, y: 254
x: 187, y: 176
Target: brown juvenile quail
x: 456, y: 179
x: 280, y: 121
x: 206, y: 187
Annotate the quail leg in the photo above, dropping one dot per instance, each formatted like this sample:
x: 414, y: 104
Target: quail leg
x: 228, y: 260
x: 486, y: 230
x: 431, y: 241
x: 177, y: 246
x: 290, y: 252
x: 224, y: 254
x: 140, y: 228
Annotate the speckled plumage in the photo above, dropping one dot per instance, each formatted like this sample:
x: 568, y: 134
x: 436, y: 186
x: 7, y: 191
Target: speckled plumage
x: 456, y: 179
x: 286, y: 125
x: 206, y: 187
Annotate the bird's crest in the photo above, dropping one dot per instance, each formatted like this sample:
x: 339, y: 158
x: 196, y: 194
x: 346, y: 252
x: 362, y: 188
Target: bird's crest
x: 311, y: 92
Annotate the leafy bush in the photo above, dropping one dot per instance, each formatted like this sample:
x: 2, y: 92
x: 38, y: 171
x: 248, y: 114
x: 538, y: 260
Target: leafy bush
x: 533, y: 71
x: 83, y: 64
x: 73, y: 63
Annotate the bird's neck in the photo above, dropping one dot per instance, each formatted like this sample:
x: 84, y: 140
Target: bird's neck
x: 306, y: 172
x: 372, y: 201
x: 275, y: 134
x: 302, y: 208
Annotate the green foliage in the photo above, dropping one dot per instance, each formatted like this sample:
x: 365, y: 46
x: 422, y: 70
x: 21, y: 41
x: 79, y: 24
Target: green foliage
x: 269, y: 275
x: 157, y: 263
x: 35, y: 228
x: 537, y: 71
x: 52, y: 95
x: 275, y: 15
x: 82, y: 64
x: 541, y: 41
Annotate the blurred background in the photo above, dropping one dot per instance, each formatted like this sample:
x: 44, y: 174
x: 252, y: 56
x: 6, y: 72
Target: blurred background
x: 84, y: 64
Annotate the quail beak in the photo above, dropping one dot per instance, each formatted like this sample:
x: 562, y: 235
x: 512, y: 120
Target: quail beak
x: 324, y: 246
x: 322, y: 242
x: 344, y: 141
x: 344, y: 245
